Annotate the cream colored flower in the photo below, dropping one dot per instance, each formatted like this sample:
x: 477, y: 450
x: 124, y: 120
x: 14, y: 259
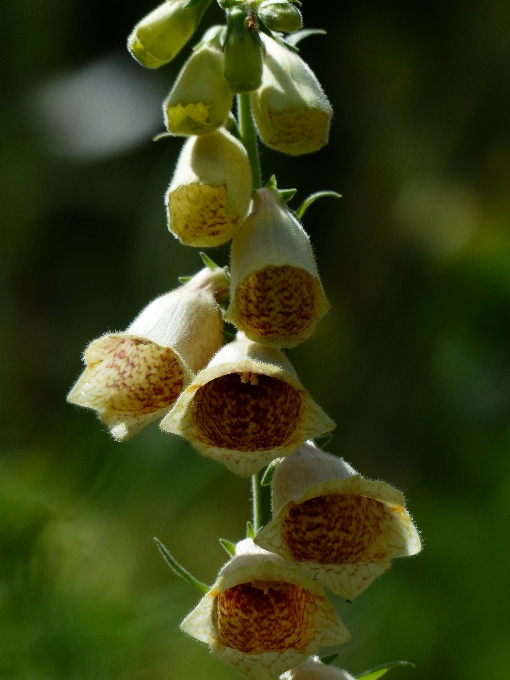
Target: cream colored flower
x: 277, y: 297
x: 263, y: 615
x: 290, y: 109
x: 210, y: 191
x: 313, y: 669
x: 246, y: 408
x: 341, y: 528
x: 133, y: 378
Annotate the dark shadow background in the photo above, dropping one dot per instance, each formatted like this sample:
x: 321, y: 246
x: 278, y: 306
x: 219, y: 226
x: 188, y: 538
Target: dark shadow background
x: 412, y: 362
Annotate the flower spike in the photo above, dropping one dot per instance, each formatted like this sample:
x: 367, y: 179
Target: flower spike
x: 246, y: 408
x: 133, y: 378
x: 277, y: 297
x: 341, y: 528
x: 263, y: 615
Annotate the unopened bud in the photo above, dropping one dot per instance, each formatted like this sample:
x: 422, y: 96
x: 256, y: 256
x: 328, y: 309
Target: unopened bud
x: 161, y: 35
x: 277, y: 297
x: 243, y: 52
x: 290, y: 108
x: 200, y: 99
x: 210, y: 191
x: 280, y: 16
x: 133, y: 378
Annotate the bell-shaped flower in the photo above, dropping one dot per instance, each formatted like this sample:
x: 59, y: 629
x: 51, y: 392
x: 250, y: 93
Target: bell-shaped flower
x: 263, y: 615
x: 341, y: 528
x: 243, y: 52
x: 134, y: 378
x: 277, y: 297
x: 200, y: 99
x: 290, y: 108
x: 246, y: 408
x: 314, y: 669
x: 210, y: 192
x: 160, y: 36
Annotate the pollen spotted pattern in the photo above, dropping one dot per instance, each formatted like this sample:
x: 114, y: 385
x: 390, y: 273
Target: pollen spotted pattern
x: 299, y: 131
x: 198, y: 215
x: 137, y: 376
x: 188, y: 120
x: 254, y: 620
x: 278, y: 303
x: 338, y: 529
x: 247, y: 416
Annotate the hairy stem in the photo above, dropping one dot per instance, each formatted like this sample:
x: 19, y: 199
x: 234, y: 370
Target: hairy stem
x: 249, y: 137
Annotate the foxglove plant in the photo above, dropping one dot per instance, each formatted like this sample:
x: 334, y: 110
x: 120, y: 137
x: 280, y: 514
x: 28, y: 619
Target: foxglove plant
x: 242, y: 403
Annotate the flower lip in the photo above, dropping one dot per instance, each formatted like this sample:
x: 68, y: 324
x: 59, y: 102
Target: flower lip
x: 263, y: 615
x: 341, y: 528
x: 314, y: 669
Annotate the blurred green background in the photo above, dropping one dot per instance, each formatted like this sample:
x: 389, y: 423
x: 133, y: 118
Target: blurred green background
x: 412, y: 362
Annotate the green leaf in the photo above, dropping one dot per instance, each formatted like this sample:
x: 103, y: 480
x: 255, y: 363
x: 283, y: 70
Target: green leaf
x: 162, y: 135
x: 229, y: 546
x: 287, y: 194
x: 298, y: 36
x: 250, y: 531
x: 208, y: 262
x: 379, y: 671
x: 267, y: 477
x: 179, y: 569
x: 312, y: 198
x: 329, y: 659
x: 184, y: 279
x: 271, y: 182
x: 322, y: 442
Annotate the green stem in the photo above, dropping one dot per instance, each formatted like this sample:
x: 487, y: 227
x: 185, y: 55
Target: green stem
x: 249, y: 137
x: 256, y: 500
x: 179, y: 569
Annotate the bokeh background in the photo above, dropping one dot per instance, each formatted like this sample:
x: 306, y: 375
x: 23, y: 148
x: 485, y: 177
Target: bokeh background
x: 412, y: 362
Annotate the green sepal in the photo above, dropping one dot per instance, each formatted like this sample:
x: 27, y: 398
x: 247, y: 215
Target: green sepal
x: 328, y: 660
x: 162, y: 135
x: 267, y: 477
x: 375, y: 673
x: 312, y: 198
x: 184, y: 279
x: 271, y: 182
x: 250, y: 531
x: 179, y: 569
x: 229, y: 547
x: 322, y: 442
x: 287, y: 194
x: 298, y: 36
x: 207, y: 261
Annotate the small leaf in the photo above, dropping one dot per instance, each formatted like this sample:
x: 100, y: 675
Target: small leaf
x: 208, y: 262
x: 287, y: 194
x: 375, y: 673
x: 250, y: 531
x: 162, y: 135
x: 267, y: 477
x: 180, y: 570
x: 322, y: 442
x: 271, y: 182
x: 229, y: 546
x: 329, y: 659
x: 311, y: 199
x: 298, y: 36
x: 184, y: 279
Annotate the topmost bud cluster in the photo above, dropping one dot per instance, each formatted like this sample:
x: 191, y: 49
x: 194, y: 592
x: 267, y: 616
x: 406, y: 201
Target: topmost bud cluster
x: 291, y: 111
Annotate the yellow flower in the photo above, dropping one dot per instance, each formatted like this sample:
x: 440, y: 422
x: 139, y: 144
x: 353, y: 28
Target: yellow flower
x: 263, y: 615
x: 246, y: 408
x: 314, y: 669
x: 341, y: 528
x: 200, y: 99
x: 277, y: 296
x: 291, y: 111
x: 133, y: 378
x: 211, y: 189
x: 160, y: 36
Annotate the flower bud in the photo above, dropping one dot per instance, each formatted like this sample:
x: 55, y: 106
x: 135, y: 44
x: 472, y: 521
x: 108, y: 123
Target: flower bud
x: 243, y: 53
x: 160, y: 36
x: 280, y: 15
x: 314, y: 669
x: 200, y: 99
x: 133, y: 378
x: 263, y: 615
x: 210, y: 191
x: 290, y: 109
x: 246, y: 408
x: 277, y: 296
x: 341, y: 528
